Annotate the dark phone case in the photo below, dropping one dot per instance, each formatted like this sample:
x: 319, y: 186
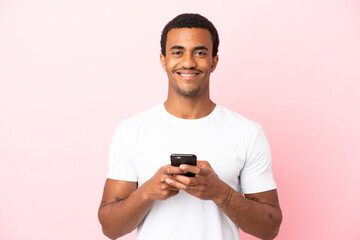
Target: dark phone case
x: 178, y: 159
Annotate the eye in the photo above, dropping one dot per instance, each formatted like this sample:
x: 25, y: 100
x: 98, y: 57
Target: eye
x: 176, y: 53
x: 200, y: 53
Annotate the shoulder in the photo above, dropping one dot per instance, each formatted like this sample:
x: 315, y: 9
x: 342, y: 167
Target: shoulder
x: 237, y: 121
x: 138, y: 121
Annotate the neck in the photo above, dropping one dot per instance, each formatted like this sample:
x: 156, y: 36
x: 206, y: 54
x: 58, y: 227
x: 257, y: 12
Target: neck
x: 189, y: 107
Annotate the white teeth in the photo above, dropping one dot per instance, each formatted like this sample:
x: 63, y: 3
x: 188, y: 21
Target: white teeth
x: 187, y: 75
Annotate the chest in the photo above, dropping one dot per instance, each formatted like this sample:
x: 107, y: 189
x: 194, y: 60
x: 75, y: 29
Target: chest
x: 219, y: 146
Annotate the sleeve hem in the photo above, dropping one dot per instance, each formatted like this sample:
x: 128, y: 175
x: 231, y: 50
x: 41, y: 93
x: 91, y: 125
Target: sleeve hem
x: 264, y: 188
x: 123, y: 178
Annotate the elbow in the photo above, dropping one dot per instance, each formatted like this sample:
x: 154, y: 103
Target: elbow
x: 273, y: 233
x: 265, y: 235
x: 108, y: 228
x: 274, y: 230
x: 269, y: 232
x: 110, y: 234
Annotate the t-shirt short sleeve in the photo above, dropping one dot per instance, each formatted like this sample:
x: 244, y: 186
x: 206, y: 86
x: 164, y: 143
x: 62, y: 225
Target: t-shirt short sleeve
x: 121, y: 166
x: 256, y: 176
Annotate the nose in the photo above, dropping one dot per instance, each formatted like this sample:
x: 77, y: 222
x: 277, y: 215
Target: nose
x: 188, y: 61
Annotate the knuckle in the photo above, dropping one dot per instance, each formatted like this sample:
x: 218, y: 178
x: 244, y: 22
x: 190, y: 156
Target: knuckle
x: 164, y: 169
x: 189, y: 181
x: 166, y: 194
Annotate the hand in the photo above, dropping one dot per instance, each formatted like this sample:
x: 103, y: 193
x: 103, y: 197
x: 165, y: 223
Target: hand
x: 156, y: 188
x: 206, y: 185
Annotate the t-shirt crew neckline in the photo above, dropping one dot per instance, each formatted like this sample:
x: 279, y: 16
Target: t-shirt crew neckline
x: 183, y: 120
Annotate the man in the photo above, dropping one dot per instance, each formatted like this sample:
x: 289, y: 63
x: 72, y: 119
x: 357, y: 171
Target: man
x: 143, y: 191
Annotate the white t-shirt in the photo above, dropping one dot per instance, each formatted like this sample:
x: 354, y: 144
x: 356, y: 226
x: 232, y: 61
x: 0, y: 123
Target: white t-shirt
x: 235, y: 147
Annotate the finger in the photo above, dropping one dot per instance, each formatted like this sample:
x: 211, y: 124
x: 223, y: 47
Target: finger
x: 165, y: 186
x: 189, y: 168
x: 164, y: 177
x: 164, y: 169
x: 174, y: 170
x: 189, y: 181
x: 201, y: 170
x: 188, y: 188
x: 203, y: 163
x: 176, y: 184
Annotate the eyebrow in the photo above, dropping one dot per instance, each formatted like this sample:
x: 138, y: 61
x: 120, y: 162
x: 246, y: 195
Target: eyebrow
x: 201, y: 48
x: 177, y: 47
x: 195, y: 48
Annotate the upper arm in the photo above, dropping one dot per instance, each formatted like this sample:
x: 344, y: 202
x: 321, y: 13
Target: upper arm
x: 256, y: 176
x: 116, y: 190
x: 268, y: 197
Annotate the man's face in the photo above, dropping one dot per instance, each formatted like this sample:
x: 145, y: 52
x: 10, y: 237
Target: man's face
x: 189, y: 60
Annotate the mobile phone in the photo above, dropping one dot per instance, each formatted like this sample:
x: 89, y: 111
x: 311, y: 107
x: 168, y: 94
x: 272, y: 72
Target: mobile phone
x: 178, y: 159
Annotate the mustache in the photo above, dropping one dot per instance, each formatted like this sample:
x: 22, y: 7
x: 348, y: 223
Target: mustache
x: 189, y: 69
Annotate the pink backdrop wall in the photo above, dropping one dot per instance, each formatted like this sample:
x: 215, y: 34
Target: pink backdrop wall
x: 71, y: 70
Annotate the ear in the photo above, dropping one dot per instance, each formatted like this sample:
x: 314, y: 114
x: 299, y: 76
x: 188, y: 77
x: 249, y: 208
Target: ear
x: 163, y: 61
x: 214, y: 62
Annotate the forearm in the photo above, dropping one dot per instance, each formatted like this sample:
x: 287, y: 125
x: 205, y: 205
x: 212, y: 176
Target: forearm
x: 256, y: 218
x: 261, y: 216
x: 122, y: 216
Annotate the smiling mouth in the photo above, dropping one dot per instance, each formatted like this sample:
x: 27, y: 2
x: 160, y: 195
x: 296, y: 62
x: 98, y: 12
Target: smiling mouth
x: 187, y: 74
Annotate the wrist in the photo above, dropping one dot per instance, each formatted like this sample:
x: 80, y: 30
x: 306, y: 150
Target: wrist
x: 222, y: 193
x: 145, y: 197
x: 225, y: 197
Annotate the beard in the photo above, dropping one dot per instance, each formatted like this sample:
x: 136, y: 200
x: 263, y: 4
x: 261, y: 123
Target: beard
x: 187, y: 93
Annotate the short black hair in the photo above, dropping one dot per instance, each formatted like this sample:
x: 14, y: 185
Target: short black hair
x: 190, y: 20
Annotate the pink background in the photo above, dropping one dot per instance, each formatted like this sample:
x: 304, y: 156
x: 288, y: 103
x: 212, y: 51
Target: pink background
x: 70, y: 70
